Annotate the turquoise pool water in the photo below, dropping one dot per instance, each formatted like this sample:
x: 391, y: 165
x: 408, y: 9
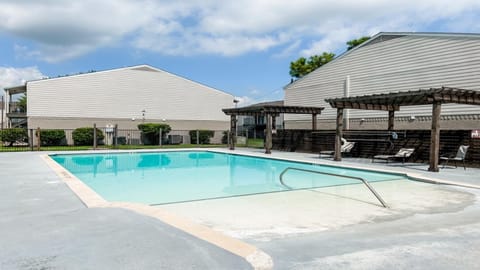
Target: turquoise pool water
x: 179, y: 176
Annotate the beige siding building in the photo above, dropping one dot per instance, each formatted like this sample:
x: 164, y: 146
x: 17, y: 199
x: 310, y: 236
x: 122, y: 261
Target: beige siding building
x: 127, y: 97
x: 393, y: 62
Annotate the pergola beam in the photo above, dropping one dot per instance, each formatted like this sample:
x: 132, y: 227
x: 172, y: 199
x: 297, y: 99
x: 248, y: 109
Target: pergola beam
x: 269, y: 111
x: 364, y: 106
x: 391, y: 102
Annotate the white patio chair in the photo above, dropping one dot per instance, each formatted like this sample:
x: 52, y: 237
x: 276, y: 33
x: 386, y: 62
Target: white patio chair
x: 460, y: 156
x: 403, y: 154
x: 345, y: 148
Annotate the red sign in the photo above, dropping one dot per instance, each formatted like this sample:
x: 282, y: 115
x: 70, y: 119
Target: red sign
x: 476, y: 134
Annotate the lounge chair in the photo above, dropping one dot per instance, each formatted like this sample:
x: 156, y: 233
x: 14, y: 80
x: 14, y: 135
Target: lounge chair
x: 460, y: 156
x: 345, y: 148
x: 403, y: 154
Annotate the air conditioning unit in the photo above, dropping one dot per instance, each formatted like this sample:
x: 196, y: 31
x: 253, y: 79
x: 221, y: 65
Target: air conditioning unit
x: 175, y: 139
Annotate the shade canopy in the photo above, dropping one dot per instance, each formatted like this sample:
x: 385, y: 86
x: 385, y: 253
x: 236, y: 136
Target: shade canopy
x: 392, y: 102
x: 272, y: 109
x: 269, y: 110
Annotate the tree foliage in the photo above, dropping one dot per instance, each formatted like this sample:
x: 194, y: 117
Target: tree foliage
x: 12, y: 135
x: 355, y: 42
x: 302, y: 66
x: 151, y: 132
x: 203, y: 136
x: 84, y: 136
x: 22, y: 103
x: 49, y: 137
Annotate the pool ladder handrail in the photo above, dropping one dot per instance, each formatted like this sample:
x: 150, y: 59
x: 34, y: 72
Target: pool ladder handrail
x: 339, y: 175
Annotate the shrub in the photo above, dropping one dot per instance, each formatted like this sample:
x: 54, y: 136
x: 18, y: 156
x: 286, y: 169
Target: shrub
x: 151, y: 131
x: 203, y: 136
x: 11, y: 135
x: 84, y: 136
x: 50, y: 137
x: 225, y: 137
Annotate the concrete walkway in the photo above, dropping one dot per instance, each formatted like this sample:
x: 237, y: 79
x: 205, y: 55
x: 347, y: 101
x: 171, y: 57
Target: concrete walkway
x: 45, y: 226
x: 444, y: 239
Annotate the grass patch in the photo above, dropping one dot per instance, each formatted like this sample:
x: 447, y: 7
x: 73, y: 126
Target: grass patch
x: 255, y: 143
x: 14, y: 149
x: 168, y: 146
x: 120, y: 147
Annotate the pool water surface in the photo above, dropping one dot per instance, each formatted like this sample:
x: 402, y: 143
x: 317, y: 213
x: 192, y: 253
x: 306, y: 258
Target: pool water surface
x: 180, y: 176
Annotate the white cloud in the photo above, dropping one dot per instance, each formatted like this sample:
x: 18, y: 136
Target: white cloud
x: 256, y: 96
x: 289, y: 50
x: 10, y: 76
x: 245, y: 101
x: 66, y: 29
x: 60, y: 29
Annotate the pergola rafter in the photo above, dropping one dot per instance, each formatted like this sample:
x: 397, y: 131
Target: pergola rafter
x: 392, y: 102
x: 270, y: 112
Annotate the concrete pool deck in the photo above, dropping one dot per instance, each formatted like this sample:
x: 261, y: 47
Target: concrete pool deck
x: 45, y: 226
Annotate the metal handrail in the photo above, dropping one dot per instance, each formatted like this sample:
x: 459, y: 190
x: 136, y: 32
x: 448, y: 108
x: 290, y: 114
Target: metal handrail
x: 334, y: 174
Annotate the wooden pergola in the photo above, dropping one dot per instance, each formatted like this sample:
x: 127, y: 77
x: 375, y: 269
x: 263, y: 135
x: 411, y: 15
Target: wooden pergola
x: 391, y: 102
x: 270, y: 112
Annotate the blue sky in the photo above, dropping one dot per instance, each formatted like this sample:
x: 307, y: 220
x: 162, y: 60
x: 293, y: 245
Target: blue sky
x: 242, y: 47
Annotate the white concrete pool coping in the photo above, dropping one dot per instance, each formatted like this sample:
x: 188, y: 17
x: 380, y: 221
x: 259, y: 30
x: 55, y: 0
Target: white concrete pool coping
x: 255, y: 256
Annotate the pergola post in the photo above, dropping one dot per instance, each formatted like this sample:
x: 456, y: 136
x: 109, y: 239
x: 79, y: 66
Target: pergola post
x: 233, y: 128
x: 268, y: 111
x: 391, y: 120
x: 435, y: 137
x: 268, y: 136
x: 338, y: 136
x: 314, y: 121
x: 274, y: 123
x: 7, y: 102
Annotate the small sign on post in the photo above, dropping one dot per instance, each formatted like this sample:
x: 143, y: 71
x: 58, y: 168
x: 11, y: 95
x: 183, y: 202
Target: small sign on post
x: 475, y: 134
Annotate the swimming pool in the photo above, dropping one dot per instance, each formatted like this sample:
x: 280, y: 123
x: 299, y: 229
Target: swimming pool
x: 180, y: 176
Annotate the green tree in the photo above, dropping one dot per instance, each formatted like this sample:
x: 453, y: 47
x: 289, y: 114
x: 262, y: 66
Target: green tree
x: 12, y: 135
x: 302, y: 66
x: 84, y: 136
x: 355, y: 42
x: 151, y: 132
x: 203, y: 136
x: 49, y: 137
x: 22, y: 103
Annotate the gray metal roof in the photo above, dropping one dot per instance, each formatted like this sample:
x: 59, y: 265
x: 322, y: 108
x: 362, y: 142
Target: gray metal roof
x: 16, y: 89
x: 272, y: 109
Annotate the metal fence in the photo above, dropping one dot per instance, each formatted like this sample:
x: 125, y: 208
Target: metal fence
x: 110, y: 138
x: 369, y: 143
